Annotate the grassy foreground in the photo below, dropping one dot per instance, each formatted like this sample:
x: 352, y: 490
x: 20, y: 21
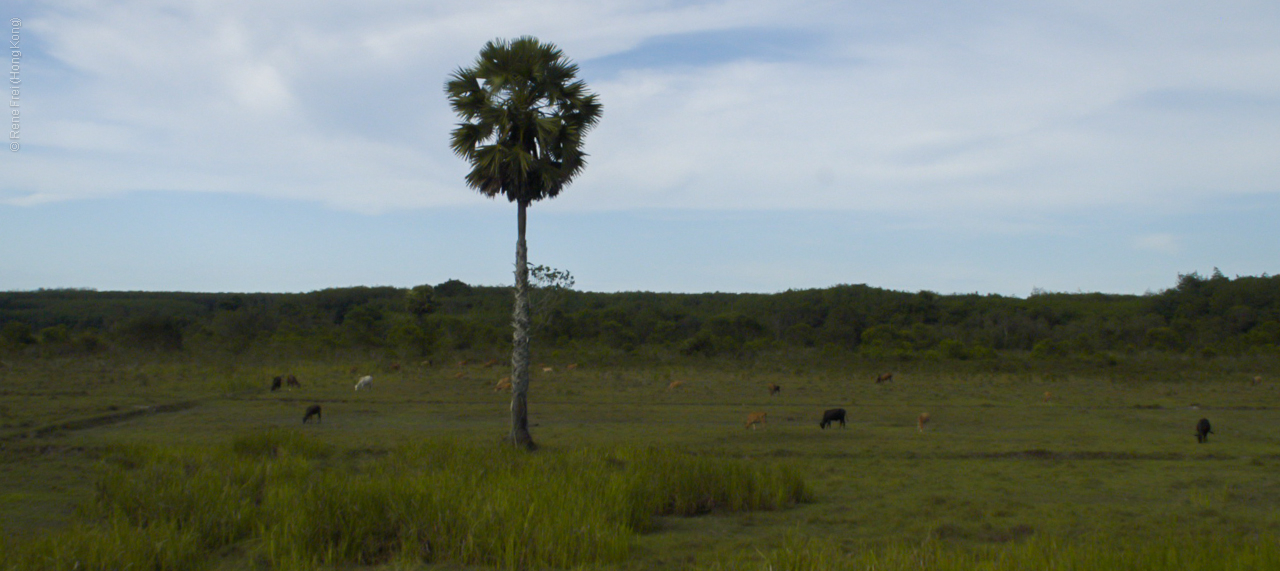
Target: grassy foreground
x: 1103, y: 474
x: 292, y: 503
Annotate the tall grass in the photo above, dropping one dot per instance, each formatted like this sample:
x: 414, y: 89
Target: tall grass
x: 799, y: 553
x: 298, y: 504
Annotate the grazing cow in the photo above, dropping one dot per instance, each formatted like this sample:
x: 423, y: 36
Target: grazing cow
x: 490, y: 363
x: 830, y: 416
x: 756, y: 418
x: 675, y: 385
x: 504, y: 384
x: 313, y: 410
x: 884, y: 378
x: 572, y: 366
x: 275, y: 384
x: 463, y: 363
x: 1203, y: 430
x: 365, y: 382
x: 395, y: 366
x: 774, y: 389
x: 922, y: 420
x: 548, y: 370
x: 1047, y: 395
x: 1257, y: 380
x: 459, y: 375
x: 292, y: 381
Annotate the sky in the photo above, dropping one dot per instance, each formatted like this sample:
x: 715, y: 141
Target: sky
x: 745, y: 146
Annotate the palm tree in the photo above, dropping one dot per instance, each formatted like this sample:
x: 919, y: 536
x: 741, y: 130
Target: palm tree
x: 524, y: 116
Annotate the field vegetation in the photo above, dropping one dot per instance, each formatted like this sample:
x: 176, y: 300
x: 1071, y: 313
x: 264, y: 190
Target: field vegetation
x: 138, y: 431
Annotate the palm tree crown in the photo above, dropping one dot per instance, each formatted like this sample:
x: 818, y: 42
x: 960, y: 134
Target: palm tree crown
x: 524, y: 118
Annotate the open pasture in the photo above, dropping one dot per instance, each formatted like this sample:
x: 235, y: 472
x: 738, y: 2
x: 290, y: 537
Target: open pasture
x: 1107, y: 463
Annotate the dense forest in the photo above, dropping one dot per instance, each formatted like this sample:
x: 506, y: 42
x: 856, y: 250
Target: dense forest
x: 1200, y: 316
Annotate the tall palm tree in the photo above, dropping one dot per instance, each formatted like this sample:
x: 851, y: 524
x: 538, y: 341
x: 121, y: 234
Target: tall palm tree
x: 524, y: 115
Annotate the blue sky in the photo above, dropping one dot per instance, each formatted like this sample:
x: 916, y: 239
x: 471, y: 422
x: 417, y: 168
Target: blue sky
x: 755, y: 146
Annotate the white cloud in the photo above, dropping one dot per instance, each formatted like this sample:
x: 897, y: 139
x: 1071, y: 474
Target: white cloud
x: 972, y: 109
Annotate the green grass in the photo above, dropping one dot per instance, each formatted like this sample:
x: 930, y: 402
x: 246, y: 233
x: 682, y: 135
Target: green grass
x: 1099, y: 477
x: 1199, y: 553
x: 300, y: 507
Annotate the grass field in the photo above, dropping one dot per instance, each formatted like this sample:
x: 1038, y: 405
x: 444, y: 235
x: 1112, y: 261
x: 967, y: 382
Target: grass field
x: 1105, y: 474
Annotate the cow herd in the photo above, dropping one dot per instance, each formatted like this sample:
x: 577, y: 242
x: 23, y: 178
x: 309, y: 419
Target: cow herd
x: 829, y: 416
x: 755, y: 419
x: 834, y: 415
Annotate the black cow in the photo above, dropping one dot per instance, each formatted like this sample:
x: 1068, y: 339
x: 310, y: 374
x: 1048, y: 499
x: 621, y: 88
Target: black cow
x: 313, y: 410
x: 1203, y: 430
x: 830, y: 416
x: 292, y: 381
x: 275, y: 383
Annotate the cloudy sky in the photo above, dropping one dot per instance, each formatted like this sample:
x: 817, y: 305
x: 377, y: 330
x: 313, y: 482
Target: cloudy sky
x: 756, y: 145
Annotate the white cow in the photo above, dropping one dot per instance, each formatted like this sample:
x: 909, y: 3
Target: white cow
x: 365, y: 383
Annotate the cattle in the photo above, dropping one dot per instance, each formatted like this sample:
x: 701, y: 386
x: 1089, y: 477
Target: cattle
x: 830, y: 416
x: 313, y: 410
x: 459, y: 375
x: 504, y: 384
x: 365, y: 382
x: 756, y: 418
x: 572, y: 366
x: 275, y: 383
x: 548, y: 370
x: 1047, y: 395
x: 774, y: 389
x: 395, y: 366
x: 922, y: 420
x: 884, y: 378
x: 675, y: 385
x: 1203, y: 430
x: 292, y: 381
x: 1257, y: 380
x: 490, y: 363
x: 463, y: 363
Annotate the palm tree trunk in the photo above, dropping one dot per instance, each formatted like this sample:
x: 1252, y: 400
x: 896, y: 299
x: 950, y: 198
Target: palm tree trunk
x: 521, y: 323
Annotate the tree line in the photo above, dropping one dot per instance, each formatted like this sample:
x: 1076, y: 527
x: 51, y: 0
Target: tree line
x: 1203, y: 316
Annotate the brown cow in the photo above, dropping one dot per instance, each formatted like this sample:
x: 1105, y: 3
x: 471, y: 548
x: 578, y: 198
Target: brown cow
x: 922, y: 420
x: 313, y: 410
x: 292, y: 381
x: 884, y: 378
x: 572, y: 366
x: 756, y: 418
x: 504, y: 384
x: 774, y: 389
x: 675, y: 385
x: 1047, y: 395
x: 463, y: 362
x: 395, y: 366
x: 490, y: 363
x: 1257, y: 380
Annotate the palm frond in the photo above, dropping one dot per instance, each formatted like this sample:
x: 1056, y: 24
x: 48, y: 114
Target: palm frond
x: 524, y: 115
